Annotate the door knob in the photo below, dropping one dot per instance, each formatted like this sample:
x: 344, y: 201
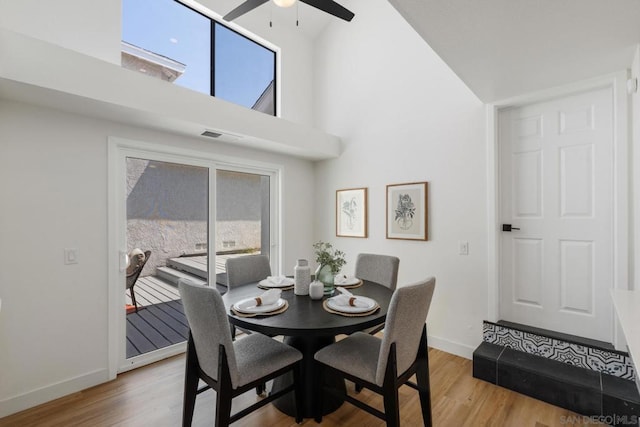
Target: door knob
x: 508, y: 227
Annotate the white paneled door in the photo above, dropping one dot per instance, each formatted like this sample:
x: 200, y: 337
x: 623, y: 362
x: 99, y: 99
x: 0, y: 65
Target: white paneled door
x: 556, y: 189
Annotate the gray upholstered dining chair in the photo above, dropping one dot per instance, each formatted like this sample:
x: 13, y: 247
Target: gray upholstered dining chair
x: 381, y: 269
x: 230, y: 367
x: 246, y: 269
x: 384, y: 364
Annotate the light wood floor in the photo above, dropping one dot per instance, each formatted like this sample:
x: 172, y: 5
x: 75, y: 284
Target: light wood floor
x: 152, y: 396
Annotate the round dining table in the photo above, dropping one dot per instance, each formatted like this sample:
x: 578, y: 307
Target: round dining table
x: 308, y: 327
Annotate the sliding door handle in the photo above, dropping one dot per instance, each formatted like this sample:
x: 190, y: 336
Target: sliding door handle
x: 123, y: 260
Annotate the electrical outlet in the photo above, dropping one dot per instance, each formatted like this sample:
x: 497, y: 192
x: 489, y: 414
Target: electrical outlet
x: 463, y: 248
x: 70, y: 256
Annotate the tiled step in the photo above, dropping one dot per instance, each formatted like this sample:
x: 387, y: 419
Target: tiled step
x: 514, y: 360
x: 570, y: 349
x: 602, y: 345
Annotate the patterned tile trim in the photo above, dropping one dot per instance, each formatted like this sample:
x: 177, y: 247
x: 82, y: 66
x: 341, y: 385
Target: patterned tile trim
x: 573, y: 354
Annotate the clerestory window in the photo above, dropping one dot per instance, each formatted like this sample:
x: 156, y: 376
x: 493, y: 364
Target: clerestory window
x: 173, y: 42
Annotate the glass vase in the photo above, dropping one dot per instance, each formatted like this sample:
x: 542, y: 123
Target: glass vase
x: 325, y: 275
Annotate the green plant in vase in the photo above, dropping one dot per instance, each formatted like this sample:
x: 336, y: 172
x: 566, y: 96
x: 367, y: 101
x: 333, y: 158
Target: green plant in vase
x: 330, y: 262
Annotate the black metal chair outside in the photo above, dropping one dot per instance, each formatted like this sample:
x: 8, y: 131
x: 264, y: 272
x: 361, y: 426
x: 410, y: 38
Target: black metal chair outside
x: 133, y: 278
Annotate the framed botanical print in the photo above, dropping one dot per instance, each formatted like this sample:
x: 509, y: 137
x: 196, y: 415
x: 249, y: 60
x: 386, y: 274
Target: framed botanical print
x: 407, y: 211
x: 351, y: 212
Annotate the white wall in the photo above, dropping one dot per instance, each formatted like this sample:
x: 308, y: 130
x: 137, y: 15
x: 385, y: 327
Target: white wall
x: 53, y: 186
x: 634, y: 204
x: 94, y: 28
x: 403, y: 117
x: 91, y: 27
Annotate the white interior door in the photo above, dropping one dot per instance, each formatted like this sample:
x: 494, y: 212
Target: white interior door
x: 556, y: 187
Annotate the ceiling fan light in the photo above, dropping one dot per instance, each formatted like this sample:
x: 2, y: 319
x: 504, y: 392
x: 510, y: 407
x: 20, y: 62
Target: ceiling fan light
x: 284, y: 3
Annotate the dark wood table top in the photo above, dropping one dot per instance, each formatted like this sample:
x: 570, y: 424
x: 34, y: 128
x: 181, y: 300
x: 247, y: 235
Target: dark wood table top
x: 307, y: 317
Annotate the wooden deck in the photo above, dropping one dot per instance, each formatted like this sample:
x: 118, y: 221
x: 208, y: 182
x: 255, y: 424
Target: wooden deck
x: 160, y: 320
x: 154, y: 327
x: 150, y: 290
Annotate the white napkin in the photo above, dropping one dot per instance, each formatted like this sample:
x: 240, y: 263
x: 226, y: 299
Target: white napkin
x: 276, y: 280
x: 347, y: 299
x: 266, y: 298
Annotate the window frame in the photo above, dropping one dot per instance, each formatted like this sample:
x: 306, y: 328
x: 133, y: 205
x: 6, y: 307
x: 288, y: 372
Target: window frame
x: 215, y: 19
x: 213, y: 59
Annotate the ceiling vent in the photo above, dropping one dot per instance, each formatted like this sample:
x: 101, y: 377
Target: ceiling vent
x: 211, y: 134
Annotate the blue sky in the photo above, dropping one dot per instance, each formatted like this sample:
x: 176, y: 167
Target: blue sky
x: 244, y: 68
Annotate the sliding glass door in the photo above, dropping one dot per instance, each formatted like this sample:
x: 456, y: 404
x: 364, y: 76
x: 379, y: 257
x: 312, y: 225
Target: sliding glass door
x: 243, y: 217
x: 167, y: 229
x: 176, y: 214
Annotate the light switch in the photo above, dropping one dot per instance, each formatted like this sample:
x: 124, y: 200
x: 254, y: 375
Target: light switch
x: 70, y: 256
x: 463, y: 248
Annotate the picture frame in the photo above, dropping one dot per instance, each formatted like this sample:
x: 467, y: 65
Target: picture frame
x: 351, y: 212
x: 407, y: 211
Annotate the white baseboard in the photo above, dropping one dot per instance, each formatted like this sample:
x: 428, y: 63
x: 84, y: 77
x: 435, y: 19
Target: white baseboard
x: 53, y: 391
x: 452, y: 347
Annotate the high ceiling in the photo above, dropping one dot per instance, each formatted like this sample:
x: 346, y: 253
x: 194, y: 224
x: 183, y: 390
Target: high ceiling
x: 504, y: 48
x: 499, y: 48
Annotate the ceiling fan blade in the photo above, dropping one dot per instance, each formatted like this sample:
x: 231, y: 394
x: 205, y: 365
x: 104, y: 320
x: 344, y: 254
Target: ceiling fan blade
x: 245, y: 7
x: 332, y: 8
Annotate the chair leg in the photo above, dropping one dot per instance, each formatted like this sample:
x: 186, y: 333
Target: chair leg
x: 424, y: 390
x: 223, y: 407
x: 133, y: 298
x: 224, y: 393
x: 391, y: 405
x: 261, y: 389
x: 358, y: 388
x: 392, y: 408
x: 318, y: 386
x: 390, y: 390
x: 190, y: 386
x: 422, y: 377
x: 297, y: 381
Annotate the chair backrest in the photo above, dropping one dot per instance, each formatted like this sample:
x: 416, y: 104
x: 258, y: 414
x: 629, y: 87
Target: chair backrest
x: 381, y: 269
x: 209, y: 326
x: 133, y: 277
x: 247, y: 269
x: 406, y: 317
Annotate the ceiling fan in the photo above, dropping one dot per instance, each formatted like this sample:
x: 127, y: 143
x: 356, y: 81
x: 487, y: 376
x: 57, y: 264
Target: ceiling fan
x: 328, y: 6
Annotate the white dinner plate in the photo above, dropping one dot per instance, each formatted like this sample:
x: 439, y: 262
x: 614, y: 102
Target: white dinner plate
x: 350, y: 280
x: 284, y: 284
x: 370, y: 304
x: 249, y: 306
